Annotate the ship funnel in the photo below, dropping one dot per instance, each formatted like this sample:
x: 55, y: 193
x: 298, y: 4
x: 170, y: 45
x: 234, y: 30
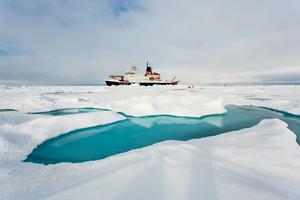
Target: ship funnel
x: 148, y: 69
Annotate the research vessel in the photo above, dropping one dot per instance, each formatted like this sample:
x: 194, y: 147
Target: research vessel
x: 150, y: 78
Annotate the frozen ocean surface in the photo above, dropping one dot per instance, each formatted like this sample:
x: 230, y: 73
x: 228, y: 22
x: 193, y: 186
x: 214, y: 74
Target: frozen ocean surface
x: 259, y: 162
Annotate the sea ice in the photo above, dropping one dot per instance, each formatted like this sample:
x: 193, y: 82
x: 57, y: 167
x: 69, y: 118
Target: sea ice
x: 262, y: 162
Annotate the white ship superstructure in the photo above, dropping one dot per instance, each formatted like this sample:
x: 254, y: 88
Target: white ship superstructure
x: 131, y: 77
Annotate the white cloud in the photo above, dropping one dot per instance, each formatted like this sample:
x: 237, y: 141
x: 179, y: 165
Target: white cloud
x: 205, y: 41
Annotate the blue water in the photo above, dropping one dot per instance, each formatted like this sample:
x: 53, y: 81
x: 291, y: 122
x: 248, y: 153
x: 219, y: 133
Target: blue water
x: 99, y: 142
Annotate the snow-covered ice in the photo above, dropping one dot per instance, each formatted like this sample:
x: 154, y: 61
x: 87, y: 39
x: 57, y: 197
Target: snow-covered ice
x: 141, y: 101
x: 25, y: 133
x: 262, y: 162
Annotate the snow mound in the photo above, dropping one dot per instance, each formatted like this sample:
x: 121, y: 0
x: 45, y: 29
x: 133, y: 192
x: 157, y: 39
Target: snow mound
x: 187, y: 105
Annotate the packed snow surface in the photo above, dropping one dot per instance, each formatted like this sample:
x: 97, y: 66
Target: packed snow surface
x: 262, y: 162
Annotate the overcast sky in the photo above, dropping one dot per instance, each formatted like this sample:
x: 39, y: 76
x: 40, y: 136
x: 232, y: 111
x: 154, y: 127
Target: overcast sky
x: 77, y: 41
